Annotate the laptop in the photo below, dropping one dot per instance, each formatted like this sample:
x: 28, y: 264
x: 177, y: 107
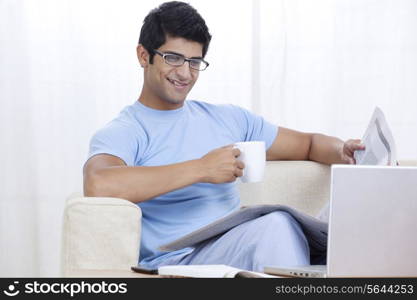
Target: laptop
x: 372, y: 224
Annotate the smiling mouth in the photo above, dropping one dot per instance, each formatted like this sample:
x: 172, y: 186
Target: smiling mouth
x: 177, y: 83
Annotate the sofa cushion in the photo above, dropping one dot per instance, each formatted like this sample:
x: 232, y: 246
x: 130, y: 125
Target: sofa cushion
x: 304, y: 185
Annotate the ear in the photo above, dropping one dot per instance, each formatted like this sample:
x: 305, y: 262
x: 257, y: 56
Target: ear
x: 143, y: 56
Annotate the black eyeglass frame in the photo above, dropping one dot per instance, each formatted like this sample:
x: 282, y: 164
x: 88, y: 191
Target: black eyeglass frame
x: 200, y: 60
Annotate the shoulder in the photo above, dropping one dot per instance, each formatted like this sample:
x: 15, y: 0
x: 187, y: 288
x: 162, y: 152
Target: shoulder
x: 218, y: 108
x: 122, y: 137
x: 124, y: 127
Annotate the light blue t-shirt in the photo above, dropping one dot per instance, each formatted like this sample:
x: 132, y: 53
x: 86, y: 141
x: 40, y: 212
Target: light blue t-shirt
x: 142, y: 136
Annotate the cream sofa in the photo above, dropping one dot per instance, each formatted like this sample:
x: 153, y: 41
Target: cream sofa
x: 104, y: 233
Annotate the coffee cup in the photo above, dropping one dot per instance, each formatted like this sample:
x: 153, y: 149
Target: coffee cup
x: 253, y: 155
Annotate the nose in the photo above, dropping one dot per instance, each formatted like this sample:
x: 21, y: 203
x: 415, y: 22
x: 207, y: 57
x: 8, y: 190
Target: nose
x: 184, y: 72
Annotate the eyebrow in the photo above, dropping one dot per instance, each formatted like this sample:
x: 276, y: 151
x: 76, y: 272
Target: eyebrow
x: 173, y: 52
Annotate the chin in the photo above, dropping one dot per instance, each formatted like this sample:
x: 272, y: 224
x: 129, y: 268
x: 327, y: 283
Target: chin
x: 175, y: 101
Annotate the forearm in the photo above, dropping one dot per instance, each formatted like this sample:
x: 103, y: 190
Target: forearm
x: 138, y: 184
x: 326, y: 149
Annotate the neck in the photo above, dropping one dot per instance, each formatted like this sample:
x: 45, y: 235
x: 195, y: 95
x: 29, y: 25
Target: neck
x: 157, y: 103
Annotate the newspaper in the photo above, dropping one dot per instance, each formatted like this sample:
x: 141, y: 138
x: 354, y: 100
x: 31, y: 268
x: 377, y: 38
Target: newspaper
x: 314, y: 229
x: 379, y: 143
x: 380, y: 149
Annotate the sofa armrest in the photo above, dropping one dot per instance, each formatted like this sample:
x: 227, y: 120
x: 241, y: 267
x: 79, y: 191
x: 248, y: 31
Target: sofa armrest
x: 100, y: 233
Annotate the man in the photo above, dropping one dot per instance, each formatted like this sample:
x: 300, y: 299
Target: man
x: 175, y: 160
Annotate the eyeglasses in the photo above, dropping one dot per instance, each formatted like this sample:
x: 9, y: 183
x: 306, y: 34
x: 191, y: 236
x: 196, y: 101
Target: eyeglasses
x: 177, y: 60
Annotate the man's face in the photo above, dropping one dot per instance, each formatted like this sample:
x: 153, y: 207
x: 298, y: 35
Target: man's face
x: 167, y: 86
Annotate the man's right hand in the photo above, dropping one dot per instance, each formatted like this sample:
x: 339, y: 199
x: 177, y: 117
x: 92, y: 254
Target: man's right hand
x: 221, y: 165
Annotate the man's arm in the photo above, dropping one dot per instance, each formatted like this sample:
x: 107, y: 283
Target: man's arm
x: 294, y: 145
x: 108, y: 176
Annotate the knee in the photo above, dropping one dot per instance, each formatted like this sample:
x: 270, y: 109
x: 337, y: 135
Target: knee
x: 279, y: 220
x: 280, y: 226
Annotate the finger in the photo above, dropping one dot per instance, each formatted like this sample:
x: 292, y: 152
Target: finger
x: 355, y: 147
x: 240, y: 164
x: 347, y: 151
x: 238, y: 173
x: 227, y: 146
x: 232, y: 179
x: 356, y: 142
x: 349, y: 160
x: 236, y: 152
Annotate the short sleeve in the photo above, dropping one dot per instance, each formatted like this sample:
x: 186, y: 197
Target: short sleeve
x: 117, y: 139
x: 254, y: 127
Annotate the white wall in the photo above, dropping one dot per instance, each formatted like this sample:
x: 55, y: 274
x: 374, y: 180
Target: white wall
x: 68, y: 67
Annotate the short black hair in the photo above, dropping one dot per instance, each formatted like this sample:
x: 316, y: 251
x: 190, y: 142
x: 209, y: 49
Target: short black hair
x: 174, y: 19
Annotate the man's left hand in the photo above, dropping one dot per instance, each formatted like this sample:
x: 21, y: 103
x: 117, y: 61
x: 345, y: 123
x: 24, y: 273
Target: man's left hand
x: 349, y: 147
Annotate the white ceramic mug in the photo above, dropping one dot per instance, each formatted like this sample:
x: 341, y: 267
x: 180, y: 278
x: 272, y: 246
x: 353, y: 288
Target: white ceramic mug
x: 254, y: 157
